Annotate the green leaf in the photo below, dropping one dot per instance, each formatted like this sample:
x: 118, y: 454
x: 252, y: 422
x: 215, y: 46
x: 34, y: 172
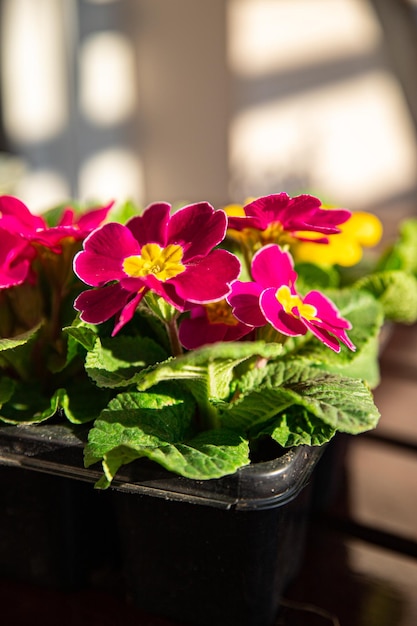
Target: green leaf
x: 296, y: 426
x: 402, y: 255
x: 81, y: 401
x: 18, y: 340
x: 213, y: 364
x: 342, y: 403
x: 115, y: 361
x: 207, y: 372
x: 7, y: 389
x: 158, y: 426
x: 123, y: 212
x: 365, y: 314
x: 397, y: 293
x: 28, y: 406
x: 141, y: 420
x: 345, y: 404
x: 212, y: 454
x: 258, y: 405
x: 24, y: 403
x: 312, y: 276
x: 84, y: 334
x: 203, y: 459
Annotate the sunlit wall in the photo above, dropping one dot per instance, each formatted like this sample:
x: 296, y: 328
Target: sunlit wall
x: 188, y: 99
x: 315, y: 105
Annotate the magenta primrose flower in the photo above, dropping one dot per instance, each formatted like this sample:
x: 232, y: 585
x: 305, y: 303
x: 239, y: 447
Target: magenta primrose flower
x: 280, y: 218
x: 171, y: 255
x: 16, y: 256
x: 24, y: 236
x: 272, y: 297
x: 17, y: 218
x: 210, y: 323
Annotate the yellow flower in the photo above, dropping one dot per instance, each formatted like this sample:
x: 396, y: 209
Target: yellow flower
x: 361, y: 230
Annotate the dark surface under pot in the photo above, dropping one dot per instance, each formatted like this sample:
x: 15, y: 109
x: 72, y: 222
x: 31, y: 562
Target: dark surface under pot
x: 199, y: 552
x: 203, y: 565
x: 49, y: 534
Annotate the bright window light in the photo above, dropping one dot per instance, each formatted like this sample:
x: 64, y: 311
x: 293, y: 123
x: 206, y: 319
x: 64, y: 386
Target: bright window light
x: 351, y: 141
x: 107, y: 76
x: 33, y: 69
x: 43, y: 189
x: 268, y: 35
x: 112, y: 174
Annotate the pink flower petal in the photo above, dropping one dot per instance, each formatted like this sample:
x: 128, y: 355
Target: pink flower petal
x: 197, y: 228
x: 330, y: 326
x: 151, y: 227
x: 328, y: 311
x: 268, y: 209
x: 197, y: 331
x: 274, y: 313
x: 92, y: 218
x: 208, y: 279
x: 127, y: 312
x: 302, y: 213
x: 16, y: 256
x: 98, y: 305
x: 104, y: 252
x: 272, y: 267
x: 67, y: 217
x: 244, y: 300
x: 325, y: 337
x: 16, y: 217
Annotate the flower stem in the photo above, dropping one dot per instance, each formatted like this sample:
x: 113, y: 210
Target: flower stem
x: 172, y: 330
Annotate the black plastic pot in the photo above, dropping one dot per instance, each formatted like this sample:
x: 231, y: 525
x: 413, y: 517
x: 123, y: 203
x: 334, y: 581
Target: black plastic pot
x: 222, y: 557
x: 198, y: 552
x: 51, y: 526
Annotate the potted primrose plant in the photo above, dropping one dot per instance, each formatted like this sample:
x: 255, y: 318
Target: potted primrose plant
x: 196, y: 360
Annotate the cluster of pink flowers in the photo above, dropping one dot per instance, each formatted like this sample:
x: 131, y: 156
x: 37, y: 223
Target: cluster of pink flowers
x: 180, y: 257
x: 30, y: 247
x: 23, y: 235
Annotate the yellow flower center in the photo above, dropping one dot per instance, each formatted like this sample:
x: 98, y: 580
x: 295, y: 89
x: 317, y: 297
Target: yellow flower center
x: 163, y: 263
x: 255, y: 239
x: 290, y: 302
x: 220, y: 313
x: 273, y: 233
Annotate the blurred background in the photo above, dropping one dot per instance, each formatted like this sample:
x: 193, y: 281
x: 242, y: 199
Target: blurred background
x: 189, y: 100
x: 192, y: 100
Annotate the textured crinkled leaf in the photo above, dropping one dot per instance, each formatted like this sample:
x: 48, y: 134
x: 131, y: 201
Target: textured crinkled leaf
x: 365, y: 364
x: 366, y: 316
x: 114, y: 362
x: 24, y: 403
x: 81, y: 401
x: 312, y: 276
x: 141, y: 419
x: 396, y: 291
x: 28, y: 406
x: 158, y: 426
x: 214, y: 365
x: 345, y: 404
x: 211, y: 454
x: 259, y: 405
x: 208, y: 372
x: 402, y: 255
x: 296, y: 426
x: 84, y: 334
x: 342, y: 403
x: 7, y: 389
x: 13, y: 342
